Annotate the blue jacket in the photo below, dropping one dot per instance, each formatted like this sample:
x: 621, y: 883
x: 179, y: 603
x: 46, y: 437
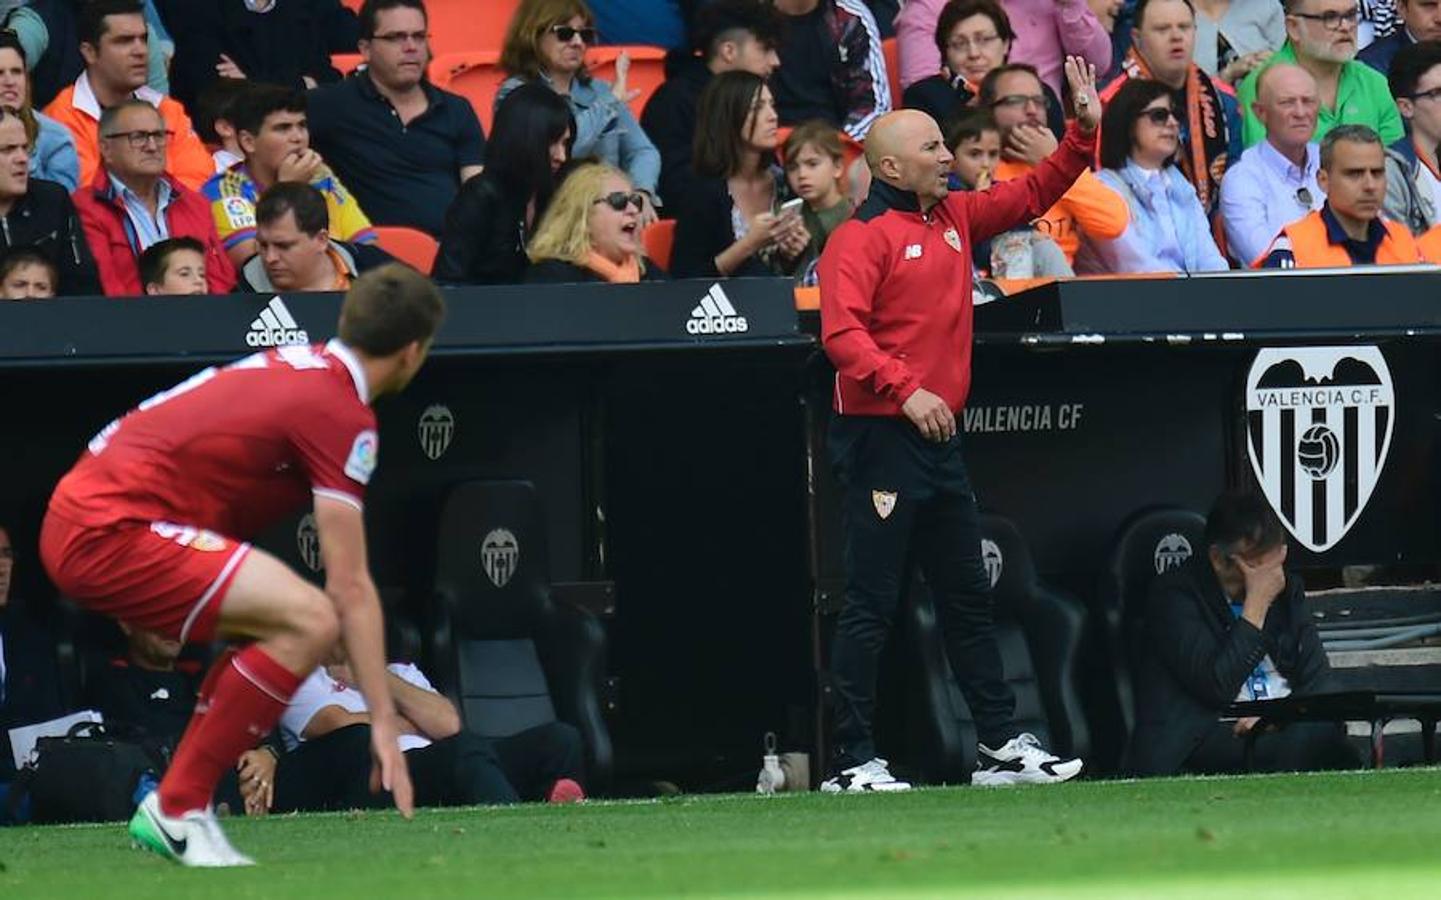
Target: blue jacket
x: 1379, y: 53
x: 54, y: 157
x: 1146, y: 246
x: 604, y: 128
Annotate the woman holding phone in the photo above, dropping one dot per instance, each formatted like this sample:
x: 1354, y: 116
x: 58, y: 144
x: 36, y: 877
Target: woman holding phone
x: 732, y: 217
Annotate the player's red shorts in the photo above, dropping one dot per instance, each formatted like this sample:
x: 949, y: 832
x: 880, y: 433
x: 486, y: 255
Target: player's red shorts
x: 160, y: 576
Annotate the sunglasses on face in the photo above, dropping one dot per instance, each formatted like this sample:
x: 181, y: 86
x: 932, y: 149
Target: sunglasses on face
x: 1160, y: 116
x: 619, y: 200
x: 565, y: 34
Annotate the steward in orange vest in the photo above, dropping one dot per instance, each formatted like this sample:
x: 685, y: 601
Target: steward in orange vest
x: 1319, y: 241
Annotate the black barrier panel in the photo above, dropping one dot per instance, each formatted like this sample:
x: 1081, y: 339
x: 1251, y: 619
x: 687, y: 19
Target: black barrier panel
x: 520, y: 318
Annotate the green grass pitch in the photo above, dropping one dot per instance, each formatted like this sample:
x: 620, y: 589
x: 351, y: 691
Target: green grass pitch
x: 1344, y: 835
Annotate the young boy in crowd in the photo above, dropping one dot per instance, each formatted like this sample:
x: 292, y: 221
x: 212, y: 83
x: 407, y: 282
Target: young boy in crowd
x: 174, y: 266
x: 27, y: 274
x: 816, y: 170
x: 975, y: 141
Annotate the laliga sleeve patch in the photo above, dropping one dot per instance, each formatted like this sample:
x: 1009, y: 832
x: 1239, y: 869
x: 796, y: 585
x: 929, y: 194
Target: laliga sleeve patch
x: 240, y: 212
x: 364, y: 454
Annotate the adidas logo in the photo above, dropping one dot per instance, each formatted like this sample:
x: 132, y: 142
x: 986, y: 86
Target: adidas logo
x: 715, y: 315
x: 275, y: 327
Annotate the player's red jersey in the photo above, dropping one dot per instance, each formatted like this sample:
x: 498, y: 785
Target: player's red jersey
x: 232, y: 449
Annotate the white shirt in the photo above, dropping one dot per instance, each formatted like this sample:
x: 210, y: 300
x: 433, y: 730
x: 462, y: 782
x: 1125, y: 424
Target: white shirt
x: 1262, y: 193
x: 1275, y: 684
x: 320, y: 690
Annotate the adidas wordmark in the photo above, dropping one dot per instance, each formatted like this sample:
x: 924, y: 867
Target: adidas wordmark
x: 275, y: 327
x: 716, y: 315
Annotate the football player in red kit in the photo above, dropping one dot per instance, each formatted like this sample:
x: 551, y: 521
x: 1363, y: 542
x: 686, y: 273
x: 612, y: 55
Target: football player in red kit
x: 150, y: 528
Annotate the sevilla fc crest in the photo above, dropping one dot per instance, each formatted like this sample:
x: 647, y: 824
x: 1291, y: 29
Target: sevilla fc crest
x: 1319, y: 422
x: 953, y: 237
x: 884, y: 502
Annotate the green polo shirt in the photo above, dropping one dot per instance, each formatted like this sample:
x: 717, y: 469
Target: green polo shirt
x: 1362, y: 98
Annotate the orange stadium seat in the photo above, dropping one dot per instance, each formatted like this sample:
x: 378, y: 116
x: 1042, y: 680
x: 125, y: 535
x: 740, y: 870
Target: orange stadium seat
x: 457, y: 26
x: 410, y: 246
x: 659, y: 241
x: 353, y: 5
x: 647, y: 69
x: 345, y: 62
x: 476, y: 76
x: 892, y: 52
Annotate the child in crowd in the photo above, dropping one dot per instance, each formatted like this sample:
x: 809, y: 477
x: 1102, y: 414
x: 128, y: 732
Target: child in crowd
x: 975, y: 142
x: 27, y: 274
x: 816, y: 171
x: 174, y: 266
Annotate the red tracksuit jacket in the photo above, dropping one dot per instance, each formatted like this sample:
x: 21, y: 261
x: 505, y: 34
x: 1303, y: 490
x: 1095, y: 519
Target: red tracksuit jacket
x: 896, y: 311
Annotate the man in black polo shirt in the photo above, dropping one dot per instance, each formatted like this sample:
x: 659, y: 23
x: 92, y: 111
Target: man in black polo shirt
x: 401, y: 145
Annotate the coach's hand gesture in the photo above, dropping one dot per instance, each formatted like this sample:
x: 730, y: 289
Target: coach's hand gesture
x: 1081, y: 76
x: 931, y: 415
x: 1265, y: 580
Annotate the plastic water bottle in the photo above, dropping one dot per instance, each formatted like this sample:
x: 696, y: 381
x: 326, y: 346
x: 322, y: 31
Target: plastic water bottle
x: 772, y: 778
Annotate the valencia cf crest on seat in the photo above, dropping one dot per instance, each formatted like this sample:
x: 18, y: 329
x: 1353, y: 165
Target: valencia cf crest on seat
x: 1319, y: 423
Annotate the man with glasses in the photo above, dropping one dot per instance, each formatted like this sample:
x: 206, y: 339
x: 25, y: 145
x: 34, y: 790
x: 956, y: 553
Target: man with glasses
x: 1274, y: 182
x: 113, y: 45
x: 1420, y: 21
x: 1163, y: 49
x: 1321, y: 38
x: 1014, y: 95
x: 1348, y: 229
x: 133, y: 202
x: 1413, y: 186
x: 401, y: 145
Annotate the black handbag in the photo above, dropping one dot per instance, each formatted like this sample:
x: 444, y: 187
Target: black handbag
x: 89, y: 775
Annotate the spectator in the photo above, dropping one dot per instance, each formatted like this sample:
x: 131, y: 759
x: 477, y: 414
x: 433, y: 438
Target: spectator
x: 1422, y: 22
x: 1046, y: 32
x: 1230, y: 625
x: 27, y: 274
x: 1413, y: 189
x: 174, y: 266
x: 326, y: 727
x: 1274, y: 182
x: 146, y: 690
x: 730, y: 221
x: 29, y: 671
x: 272, y: 131
x: 975, y: 142
x: 1235, y: 36
x: 1321, y: 38
x: 27, y: 27
x: 493, y: 217
x: 52, y: 150
x: 1169, y: 231
x: 294, y: 249
x: 975, y: 38
x: 728, y: 35
x: 286, y: 42
x: 134, y: 202
x: 1162, y: 49
x: 39, y: 214
x: 1016, y: 98
x: 214, y: 123
x: 112, y: 42
x: 401, y: 145
x: 591, y: 232
x: 1348, y: 230
x: 1379, y: 19
x: 546, y: 43
x: 815, y: 166
x: 832, y: 65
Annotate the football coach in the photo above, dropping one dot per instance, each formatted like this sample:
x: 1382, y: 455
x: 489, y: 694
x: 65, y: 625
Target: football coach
x: 896, y: 321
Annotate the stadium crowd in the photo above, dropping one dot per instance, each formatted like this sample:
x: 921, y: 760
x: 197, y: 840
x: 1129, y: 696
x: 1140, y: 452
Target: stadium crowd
x: 209, y: 146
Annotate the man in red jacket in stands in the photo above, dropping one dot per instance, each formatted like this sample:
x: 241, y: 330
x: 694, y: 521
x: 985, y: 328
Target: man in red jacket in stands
x: 896, y: 320
x: 133, y: 203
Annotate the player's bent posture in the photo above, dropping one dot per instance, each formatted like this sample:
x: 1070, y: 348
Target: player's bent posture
x: 149, y: 528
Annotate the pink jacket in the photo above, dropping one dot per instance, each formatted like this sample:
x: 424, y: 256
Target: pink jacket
x: 1046, y: 31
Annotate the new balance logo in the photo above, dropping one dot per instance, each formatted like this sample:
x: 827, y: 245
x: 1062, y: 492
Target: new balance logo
x: 716, y: 315
x: 275, y: 327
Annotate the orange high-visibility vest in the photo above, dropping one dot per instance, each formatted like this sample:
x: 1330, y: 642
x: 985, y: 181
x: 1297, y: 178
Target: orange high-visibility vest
x: 1313, y: 249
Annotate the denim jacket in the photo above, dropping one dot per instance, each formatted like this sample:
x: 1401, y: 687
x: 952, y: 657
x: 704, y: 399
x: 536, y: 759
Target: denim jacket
x: 604, y: 128
x: 1146, y: 245
x: 54, y: 157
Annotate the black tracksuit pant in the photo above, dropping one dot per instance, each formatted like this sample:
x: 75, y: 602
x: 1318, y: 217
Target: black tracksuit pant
x: 907, y: 502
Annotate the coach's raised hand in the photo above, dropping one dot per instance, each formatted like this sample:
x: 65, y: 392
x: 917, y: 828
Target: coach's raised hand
x: 1081, y: 76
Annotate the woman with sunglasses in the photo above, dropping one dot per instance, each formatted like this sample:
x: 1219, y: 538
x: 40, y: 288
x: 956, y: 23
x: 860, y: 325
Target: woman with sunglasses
x: 733, y: 219
x: 546, y: 43
x: 592, y: 231
x: 1169, y: 231
x: 52, y: 149
x: 495, y: 213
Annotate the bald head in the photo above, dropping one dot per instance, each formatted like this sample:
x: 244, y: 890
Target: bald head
x: 1287, y: 103
x: 905, y: 149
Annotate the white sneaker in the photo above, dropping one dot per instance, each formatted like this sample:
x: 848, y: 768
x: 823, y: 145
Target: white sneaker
x: 193, y: 839
x: 871, y: 776
x: 1022, y: 761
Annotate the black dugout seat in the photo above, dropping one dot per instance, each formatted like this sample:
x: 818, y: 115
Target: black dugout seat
x: 506, y: 650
